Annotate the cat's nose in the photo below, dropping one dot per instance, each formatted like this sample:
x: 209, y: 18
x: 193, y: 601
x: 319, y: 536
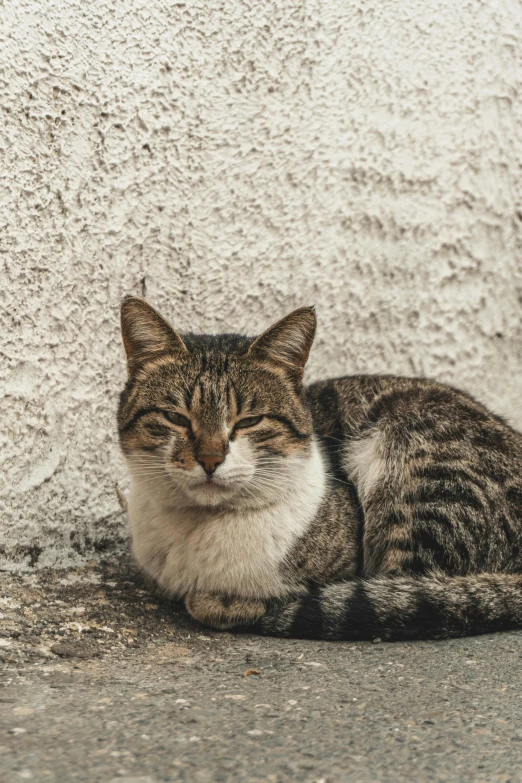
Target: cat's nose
x: 209, y: 462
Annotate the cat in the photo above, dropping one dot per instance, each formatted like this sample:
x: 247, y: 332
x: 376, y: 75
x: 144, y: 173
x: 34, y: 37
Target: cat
x: 354, y: 508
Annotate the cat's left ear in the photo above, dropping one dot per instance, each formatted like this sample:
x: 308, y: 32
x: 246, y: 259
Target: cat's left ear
x: 287, y: 343
x: 146, y: 334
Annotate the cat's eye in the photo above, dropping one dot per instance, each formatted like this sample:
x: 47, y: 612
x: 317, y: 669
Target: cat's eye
x: 178, y: 419
x: 250, y: 421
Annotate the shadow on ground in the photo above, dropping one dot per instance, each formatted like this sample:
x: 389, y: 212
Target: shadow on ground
x: 106, y: 681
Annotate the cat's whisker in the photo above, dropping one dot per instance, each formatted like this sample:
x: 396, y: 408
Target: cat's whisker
x: 146, y: 474
x: 331, y: 477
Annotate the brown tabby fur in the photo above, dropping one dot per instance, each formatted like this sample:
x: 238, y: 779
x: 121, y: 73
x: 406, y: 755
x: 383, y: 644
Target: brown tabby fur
x: 419, y: 532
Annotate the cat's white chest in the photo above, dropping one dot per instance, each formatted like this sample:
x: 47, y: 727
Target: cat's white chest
x: 238, y: 552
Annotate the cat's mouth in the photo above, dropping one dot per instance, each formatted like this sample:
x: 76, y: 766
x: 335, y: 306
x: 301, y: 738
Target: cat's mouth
x: 210, y: 484
x: 211, y: 492
x: 214, y: 489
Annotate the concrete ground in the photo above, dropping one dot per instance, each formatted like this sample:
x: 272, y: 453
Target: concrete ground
x: 105, y: 681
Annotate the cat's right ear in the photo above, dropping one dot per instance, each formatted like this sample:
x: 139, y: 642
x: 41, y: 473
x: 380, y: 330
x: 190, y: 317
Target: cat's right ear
x: 146, y: 335
x: 287, y: 343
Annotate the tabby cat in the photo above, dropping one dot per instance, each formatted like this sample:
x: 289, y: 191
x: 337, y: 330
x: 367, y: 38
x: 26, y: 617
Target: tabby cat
x: 354, y: 508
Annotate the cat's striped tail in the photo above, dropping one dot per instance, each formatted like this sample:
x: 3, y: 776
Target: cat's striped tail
x: 400, y: 607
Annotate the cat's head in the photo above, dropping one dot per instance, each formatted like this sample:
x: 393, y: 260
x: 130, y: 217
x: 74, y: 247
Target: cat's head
x: 215, y: 420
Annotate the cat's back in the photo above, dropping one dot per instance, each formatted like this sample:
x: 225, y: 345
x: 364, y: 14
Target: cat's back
x: 346, y: 407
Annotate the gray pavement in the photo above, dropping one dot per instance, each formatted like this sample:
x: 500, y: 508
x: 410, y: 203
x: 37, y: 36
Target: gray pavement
x: 103, y: 680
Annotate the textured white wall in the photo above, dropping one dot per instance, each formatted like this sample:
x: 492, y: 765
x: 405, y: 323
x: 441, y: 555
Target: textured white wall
x: 234, y: 159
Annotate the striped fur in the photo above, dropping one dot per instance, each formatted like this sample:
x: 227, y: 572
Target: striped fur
x: 400, y: 607
x: 358, y: 507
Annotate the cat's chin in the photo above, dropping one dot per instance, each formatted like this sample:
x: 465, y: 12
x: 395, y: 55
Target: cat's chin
x: 210, y: 494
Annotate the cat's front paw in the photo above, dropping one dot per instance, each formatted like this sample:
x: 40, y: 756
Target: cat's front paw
x: 222, y: 612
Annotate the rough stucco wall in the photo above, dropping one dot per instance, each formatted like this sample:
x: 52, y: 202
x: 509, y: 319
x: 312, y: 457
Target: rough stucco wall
x: 235, y: 160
